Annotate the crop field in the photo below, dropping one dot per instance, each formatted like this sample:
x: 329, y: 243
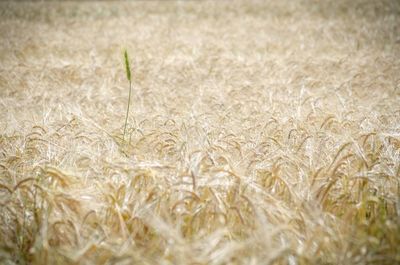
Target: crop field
x: 258, y: 132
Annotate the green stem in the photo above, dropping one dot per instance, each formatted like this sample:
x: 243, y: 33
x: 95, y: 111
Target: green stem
x: 127, y: 110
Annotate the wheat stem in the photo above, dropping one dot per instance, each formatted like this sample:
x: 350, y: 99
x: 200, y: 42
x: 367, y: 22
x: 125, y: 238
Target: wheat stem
x: 128, y: 76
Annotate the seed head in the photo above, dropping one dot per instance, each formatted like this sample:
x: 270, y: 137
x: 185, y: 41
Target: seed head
x: 127, y: 67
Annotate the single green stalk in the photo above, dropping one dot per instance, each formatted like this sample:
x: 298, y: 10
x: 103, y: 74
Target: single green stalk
x: 128, y: 76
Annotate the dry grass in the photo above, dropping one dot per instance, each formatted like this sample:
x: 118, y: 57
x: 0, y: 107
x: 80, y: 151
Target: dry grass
x: 259, y: 133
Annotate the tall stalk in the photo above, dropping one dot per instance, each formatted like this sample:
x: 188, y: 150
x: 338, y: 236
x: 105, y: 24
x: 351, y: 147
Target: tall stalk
x: 128, y: 76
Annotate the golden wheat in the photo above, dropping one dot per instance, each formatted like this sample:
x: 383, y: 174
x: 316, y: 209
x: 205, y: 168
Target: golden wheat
x: 262, y: 132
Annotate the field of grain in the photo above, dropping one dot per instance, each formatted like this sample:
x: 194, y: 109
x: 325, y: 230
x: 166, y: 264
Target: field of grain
x: 259, y: 132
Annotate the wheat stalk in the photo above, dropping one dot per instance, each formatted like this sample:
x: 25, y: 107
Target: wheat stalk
x: 128, y: 76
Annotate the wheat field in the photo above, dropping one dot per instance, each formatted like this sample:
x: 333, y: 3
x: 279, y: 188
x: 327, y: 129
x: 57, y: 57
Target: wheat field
x: 259, y: 132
